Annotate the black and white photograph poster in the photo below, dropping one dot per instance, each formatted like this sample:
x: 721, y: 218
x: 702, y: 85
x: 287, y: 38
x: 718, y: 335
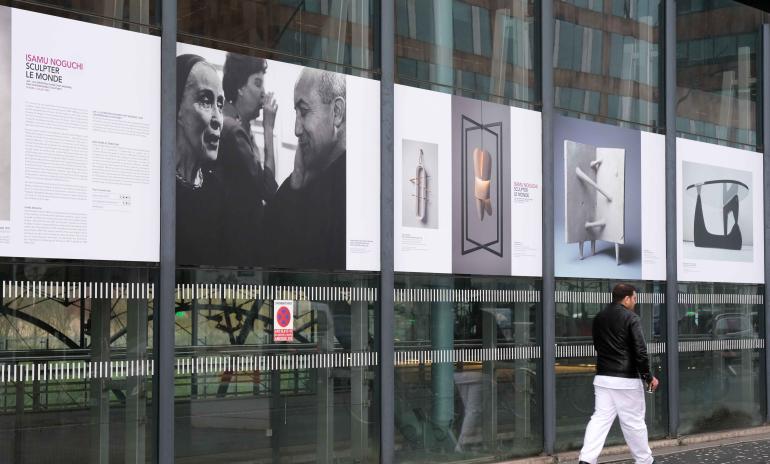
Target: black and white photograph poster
x: 719, y: 206
x: 610, y: 201
x: 476, y: 206
x: 277, y: 164
x: 84, y: 153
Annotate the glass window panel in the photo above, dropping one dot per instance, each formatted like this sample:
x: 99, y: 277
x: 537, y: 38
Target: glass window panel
x: 717, y: 78
x: 313, y: 33
x: 720, y: 357
x: 612, y: 53
x: 242, y: 393
x: 463, y: 27
x: 135, y: 15
x: 576, y: 360
x: 459, y: 38
x: 467, y: 369
x: 76, y: 348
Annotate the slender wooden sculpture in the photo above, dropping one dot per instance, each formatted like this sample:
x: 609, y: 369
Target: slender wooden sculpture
x: 482, y: 169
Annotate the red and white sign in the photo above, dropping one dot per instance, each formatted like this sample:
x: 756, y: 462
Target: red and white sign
x: 283, y: 321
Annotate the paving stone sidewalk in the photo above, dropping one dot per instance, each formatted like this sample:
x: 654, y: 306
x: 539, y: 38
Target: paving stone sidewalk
x: 752, y: 452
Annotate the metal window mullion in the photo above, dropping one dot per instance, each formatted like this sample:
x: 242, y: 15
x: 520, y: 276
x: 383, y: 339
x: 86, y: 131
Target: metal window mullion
x: 548, y: 325
x: 386, y: 295
x: 672, y: 307
x: 765, y: 118
x: 164, y: 308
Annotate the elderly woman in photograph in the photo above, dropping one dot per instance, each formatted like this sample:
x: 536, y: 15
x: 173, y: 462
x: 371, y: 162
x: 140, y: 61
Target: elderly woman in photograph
x: 247, y: 182
x: 199, y: 104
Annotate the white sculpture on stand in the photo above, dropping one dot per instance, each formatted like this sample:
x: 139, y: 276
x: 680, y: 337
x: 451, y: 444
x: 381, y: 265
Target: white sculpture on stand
x: 594, y: 195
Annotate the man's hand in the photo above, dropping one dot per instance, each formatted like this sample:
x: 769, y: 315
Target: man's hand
x: 654, y: 384
x: 270, y: 108
x: 297, y: 178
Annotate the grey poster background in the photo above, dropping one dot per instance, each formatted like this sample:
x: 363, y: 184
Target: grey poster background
x: 5, y: 116
x: 410, y: 155
x: 602, y: 265
x: 711, y: 196
x: 481, y: 261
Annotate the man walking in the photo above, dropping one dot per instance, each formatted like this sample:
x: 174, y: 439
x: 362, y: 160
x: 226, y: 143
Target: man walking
x: 621, y: 365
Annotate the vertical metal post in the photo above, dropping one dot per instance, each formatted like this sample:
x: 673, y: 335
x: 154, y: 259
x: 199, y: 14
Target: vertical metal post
x: 765, y: 118
x: 442, y: 323
x: 164, y: 310
x: 672, y: 305
x: 359, y: 384
x: 549, y: 281
x: 489, y: 426
x: 99, y: 387
x: 324, y: 387
x: 386, y: 313
x: 136, y: 397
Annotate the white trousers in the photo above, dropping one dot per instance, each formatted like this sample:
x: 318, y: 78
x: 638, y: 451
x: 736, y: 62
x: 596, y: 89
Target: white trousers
x: 629, y: 407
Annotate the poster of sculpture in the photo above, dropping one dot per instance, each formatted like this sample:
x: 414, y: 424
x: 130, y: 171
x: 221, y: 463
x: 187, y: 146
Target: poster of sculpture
x: 610, y: 193
x: 482, y: 189
x: 481, y: 176
x: 79, y: 140
x: 420, y: 199
x: 277, y: 164
x: 719, y: 205
x: 422, y: 121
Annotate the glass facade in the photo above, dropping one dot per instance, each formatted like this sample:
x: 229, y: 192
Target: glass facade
x: 483, y: 50
x: 717, y: 58
x: 79, y: 350
x: 77, y: 373
x: 607, y: 61
x: 577, y: 303
x: 720, y: 353
x: 468, y: 370
x: 240, y: 394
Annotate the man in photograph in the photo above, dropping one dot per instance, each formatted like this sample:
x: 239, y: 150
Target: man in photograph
x: 306, y: 218
x: 622, y: 364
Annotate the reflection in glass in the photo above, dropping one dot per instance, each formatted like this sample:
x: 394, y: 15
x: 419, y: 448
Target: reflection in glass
x: 578, y: 301
x: 607, y: 61
x: 244, y: 395
x: 337, y: 36
x: 476, y: 50
x: 717, y: 55
x: 720, y: 356
x: 75, y: 364
x: 467, y: 369
x: 135, y: 15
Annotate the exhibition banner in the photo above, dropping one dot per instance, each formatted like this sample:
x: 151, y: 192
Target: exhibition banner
x: 467, y: 186
x: 609, y: 214
x: 720, y: 209
x: 80, y: 144
x: 277, y: 164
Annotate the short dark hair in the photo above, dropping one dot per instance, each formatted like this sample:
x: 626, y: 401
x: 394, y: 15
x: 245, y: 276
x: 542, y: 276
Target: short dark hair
x: 236, y: 72
x: 621, y: 291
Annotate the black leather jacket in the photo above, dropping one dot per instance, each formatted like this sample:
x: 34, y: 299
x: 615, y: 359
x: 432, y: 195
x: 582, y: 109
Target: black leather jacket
x: 620, y: 347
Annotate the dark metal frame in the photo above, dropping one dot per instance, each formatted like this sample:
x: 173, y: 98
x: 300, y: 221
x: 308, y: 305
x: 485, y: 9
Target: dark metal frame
x: 163, y: 399
x: 547, y: 25
x: 465, y: 235
x: 764, y: 76
x: 671, y: 380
